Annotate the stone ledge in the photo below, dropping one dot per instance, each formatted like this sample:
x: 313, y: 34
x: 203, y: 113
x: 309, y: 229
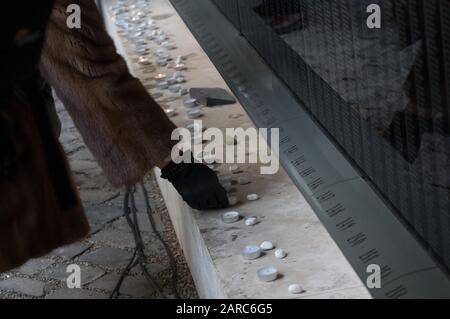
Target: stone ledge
x: 212, y: 248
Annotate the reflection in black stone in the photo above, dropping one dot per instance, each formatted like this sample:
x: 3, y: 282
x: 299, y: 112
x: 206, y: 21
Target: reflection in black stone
x: 382, y: 94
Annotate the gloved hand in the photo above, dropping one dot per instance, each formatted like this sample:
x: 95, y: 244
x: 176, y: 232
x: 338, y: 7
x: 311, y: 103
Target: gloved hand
x: 197, y: 184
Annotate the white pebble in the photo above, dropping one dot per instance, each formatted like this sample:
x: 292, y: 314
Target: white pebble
x: 280, y: 253
x: 251, y: 221
x: 266, y: 245
x: 252, y: 197
x: 295, y: 289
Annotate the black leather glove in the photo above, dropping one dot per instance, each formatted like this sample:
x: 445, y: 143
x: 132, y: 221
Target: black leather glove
x: 197, y: 184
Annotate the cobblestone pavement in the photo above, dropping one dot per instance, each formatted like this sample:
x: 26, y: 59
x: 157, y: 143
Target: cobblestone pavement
x: 103, y: 255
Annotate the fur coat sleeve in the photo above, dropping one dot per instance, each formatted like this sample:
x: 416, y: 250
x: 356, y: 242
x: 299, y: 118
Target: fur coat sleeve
x: 125, y: 129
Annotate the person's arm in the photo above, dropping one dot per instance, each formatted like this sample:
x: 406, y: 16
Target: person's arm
x: 124, y: 128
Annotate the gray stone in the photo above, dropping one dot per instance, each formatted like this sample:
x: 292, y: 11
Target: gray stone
x: 137, y: 287
x: 35, y: 266
x: 212, y: 96
x: 114, y: 237
x: 83, y: 165
x: 153, y: 268
x: 23, y: 286
x: 107, y: 257
x: 106, y: 283
x: 71, y: 251
x: 97, y: 196
x: 82, y: 154
x: 100, y: 215
x: 67, y: 293
x: 88, y: 273
x: 144, y: 223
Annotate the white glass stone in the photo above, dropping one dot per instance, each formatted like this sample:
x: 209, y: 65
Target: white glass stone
x: 266, y: 245
x: 251, y: 221
x: 295, y: 289
x: 280, y: 253
x: 252, y: 197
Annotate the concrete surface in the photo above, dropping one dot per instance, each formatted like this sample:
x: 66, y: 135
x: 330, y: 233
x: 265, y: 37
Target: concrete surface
x: 212, y: 248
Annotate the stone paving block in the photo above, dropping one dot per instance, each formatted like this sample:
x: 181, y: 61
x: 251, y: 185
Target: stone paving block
x: 107, y: 257
x: 24, y: 286
x: 82, y: 154
x: 137, y: 287
x: 71, y: 251
x: 102, y: 214
x: 83, y: 165
x: 35, y: 266
x: 88, y: 273
x: 113, y: 237
x: 97, y: 196
x: 66, y: 293
x: 143, y: 221
x: 153, y: 268
x: 106, y: 283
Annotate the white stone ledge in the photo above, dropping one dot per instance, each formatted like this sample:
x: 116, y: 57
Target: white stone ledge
x: 212, y: 248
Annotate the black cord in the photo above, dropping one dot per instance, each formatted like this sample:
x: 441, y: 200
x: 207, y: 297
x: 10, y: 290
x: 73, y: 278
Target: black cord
x: 172, y: 260
x: 139, y: 257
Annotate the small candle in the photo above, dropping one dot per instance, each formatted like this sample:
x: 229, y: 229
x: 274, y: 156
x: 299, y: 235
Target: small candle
x: 175, y: 88
x: 167, y: 45
x: 184, y: 91
x: 231, y: 217
x: 251, y: 252
x: 189, y: 102
x: 160, y: 77
x: 172, y: 80
x: 267, y: 274
x: 143, y: 60
x: 162, y: 85
x: 161, y: 62
x: 179, y: 60
x: 180, y: 66
x: 170, y: 112
x: 194, y: 113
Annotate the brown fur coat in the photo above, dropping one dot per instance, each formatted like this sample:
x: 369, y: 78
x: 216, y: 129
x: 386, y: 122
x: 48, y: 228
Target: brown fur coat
x: 124, y: 128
